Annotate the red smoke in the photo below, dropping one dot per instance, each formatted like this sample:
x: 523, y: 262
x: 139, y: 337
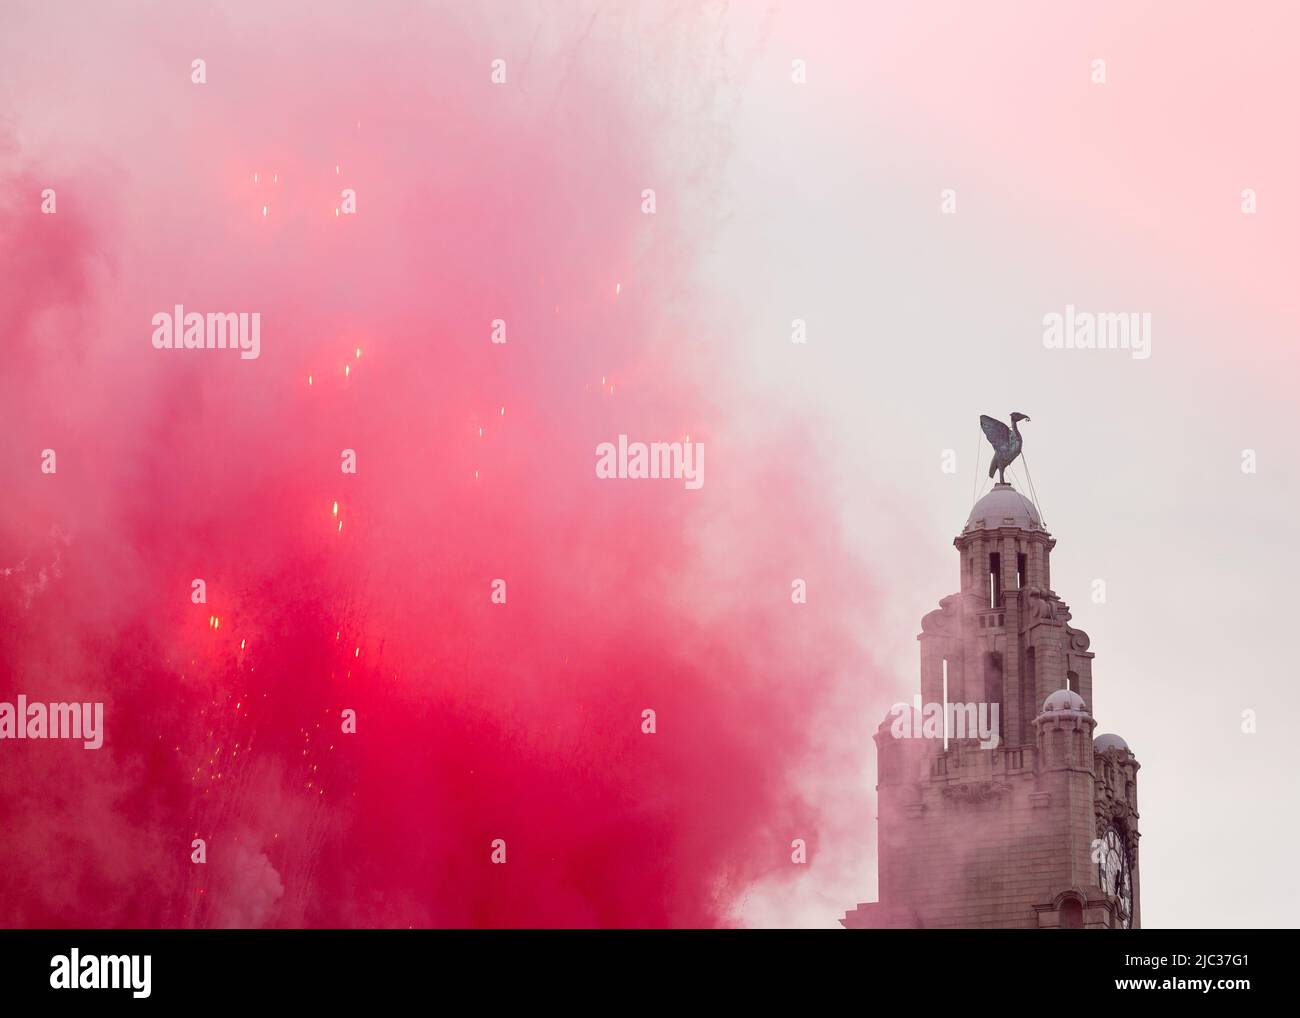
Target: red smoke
x: 476, y: 721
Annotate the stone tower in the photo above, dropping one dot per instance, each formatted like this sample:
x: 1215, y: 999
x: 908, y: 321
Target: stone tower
x: 996, y: 806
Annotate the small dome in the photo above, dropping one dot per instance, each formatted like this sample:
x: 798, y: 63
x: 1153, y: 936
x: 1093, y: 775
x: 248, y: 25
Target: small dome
x: 1108, y: 741
x: 1003, y: 507
x: 1064, y: 699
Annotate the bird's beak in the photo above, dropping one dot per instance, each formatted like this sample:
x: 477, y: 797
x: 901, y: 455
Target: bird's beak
x: 1028, y: 418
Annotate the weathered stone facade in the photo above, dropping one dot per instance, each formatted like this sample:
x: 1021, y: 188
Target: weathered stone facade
x: 1041, y: 830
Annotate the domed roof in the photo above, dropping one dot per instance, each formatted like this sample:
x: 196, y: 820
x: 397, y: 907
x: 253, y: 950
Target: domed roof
x: 1108, y: 741
x: 1063, y: 700
x: 1003, y: 507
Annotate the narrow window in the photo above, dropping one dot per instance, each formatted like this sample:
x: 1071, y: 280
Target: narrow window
x: 993, y: 685
x: 945, y: 705
x: 995, y: 580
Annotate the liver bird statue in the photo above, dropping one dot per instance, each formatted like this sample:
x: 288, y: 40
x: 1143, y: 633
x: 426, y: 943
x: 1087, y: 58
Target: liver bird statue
x: 1006, y: 442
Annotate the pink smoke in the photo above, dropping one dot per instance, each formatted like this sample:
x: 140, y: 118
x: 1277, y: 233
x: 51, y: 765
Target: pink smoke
x: 476, y: 721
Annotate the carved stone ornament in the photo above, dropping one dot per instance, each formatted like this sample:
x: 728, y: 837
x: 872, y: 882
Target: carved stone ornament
x: 976, y: 792
x: 943, y: 619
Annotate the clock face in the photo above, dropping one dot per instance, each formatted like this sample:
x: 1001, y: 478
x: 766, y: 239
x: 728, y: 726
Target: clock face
x: 1113, y: 874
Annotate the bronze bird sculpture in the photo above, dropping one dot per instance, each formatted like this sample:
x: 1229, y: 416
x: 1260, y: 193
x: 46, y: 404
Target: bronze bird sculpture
x: 1006, y: 442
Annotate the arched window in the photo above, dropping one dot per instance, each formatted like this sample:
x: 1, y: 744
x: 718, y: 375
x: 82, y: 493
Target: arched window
x: 1071, y: 914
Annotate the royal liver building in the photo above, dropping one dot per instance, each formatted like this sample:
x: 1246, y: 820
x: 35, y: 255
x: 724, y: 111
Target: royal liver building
x: 1038, y: 827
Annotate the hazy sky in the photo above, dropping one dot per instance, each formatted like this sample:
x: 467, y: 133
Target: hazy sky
x: 1120, y: 197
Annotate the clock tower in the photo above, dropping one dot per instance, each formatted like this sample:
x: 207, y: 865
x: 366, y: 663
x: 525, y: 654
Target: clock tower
x: 997, y: 807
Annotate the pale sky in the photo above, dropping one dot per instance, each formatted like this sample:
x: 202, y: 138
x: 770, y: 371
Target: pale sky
x: 919, y: 322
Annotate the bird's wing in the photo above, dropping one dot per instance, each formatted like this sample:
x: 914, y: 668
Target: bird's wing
x: 995, y: 431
